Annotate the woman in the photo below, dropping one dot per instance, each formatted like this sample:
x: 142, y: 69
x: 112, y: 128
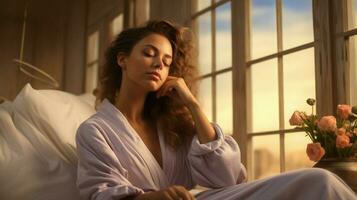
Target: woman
x: 150, y: 139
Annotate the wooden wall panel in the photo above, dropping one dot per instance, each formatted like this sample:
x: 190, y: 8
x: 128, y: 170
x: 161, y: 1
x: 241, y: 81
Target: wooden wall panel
x: 177, y: 11
x: 54, y: 42
x: 74, y: 47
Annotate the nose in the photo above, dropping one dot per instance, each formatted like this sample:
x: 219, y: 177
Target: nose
x: 158, y: 62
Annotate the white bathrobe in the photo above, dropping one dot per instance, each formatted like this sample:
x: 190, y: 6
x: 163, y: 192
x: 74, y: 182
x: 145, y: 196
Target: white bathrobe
x: 115, y: 163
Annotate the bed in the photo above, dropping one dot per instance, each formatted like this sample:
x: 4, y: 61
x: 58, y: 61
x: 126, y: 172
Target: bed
x: 37, y: 143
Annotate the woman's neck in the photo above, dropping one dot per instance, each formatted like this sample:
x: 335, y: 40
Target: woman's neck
x: 131, y: 103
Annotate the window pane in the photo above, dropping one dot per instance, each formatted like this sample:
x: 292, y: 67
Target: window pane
x: 225, y: 102
x: 91, y: 77
x: 297, y: 23
x: 263, y: 35
x: 92, y: 47
x: 265, y: 97
x: 295, y: 151
x: 201, y: 4
x: 205, y: 43
x: 266, y: 156
x: 352, y: 13
x: 353, y: 68
x: 205, y: 96
x: 223, y: 37
x: 299, y: 82
x: 116, y: 26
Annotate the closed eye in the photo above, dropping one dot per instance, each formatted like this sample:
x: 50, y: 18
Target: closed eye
x: 149, y: 53
x: 152, y: 51
x: 166, y: 63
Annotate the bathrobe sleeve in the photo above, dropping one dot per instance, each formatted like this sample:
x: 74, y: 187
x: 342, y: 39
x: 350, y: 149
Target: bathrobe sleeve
x: 216, y: 164
x: 100, y: 174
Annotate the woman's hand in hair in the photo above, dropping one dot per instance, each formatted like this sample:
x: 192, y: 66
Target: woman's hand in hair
x: 171, y: 193
x: 177, y: 89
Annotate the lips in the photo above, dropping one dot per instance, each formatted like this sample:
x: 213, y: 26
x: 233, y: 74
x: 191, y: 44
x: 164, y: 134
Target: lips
x: 155, y: 74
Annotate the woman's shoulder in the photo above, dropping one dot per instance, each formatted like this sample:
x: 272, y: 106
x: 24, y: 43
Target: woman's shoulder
x: 102, y: 123
x: 91, y: 124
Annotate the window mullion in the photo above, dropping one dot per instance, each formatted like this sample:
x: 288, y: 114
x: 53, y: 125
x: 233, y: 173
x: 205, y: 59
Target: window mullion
x: 323, y: 60
x: 213, y: 53
x: 241, y: 99
x: 280, y: 83
x: 339, y: 67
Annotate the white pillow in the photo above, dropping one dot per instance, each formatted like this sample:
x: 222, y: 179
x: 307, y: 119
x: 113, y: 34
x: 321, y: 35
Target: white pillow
x: 89, y: 98
x: 37, y: 131
x: 55, y: 113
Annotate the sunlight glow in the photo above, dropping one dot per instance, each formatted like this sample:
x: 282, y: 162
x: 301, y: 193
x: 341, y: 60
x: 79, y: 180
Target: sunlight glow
x: 223, y: 37
x: 225, y: 102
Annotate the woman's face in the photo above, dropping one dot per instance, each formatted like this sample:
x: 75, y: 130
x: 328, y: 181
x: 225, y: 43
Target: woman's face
x: 148, y: 64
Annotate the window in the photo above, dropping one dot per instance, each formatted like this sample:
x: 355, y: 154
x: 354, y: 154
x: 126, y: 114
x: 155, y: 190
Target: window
x: 96, y: 44
x: 92, y: 62
x: 282, y: 78
x: 115, y: 26
x: 212, y: 23
x: 280, y: 75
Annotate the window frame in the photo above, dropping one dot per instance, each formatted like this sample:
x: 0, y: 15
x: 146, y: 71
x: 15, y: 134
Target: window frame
x: 326, y: 78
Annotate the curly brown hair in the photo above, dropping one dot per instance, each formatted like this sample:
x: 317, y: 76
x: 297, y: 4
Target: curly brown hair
x: 174, y: 117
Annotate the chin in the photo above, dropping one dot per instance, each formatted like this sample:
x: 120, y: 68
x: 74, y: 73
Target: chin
x: 152, y: 86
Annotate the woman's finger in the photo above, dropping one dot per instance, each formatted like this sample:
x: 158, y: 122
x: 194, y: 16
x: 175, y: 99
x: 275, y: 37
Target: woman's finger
x: 172, y: 193
x: 165, y: 87
x: 183, y: 193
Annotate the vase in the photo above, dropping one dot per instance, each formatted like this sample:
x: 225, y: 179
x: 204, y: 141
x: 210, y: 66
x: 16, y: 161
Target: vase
x: 346, y: 169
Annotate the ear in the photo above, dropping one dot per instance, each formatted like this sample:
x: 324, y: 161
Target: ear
x: 121, y: 60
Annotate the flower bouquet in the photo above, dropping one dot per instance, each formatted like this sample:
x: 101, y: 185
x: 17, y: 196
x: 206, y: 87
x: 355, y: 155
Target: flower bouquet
x: 332, y: 137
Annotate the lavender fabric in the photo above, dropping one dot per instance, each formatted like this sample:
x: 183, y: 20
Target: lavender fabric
x: 115, y: 163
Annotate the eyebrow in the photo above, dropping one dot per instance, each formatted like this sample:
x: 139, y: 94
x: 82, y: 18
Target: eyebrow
x: 156, y: 49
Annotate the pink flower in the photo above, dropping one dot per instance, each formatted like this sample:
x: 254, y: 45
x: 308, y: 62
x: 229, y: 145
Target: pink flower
x: 343, y: 141
x: 327, y: 123
x: 343, y: 111
x: 296, y: 119
x: 314, y: 151
x: 341, y: 131
x: 349, y: 134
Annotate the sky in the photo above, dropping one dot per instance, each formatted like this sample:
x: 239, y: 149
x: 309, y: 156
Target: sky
x: 298, y: 69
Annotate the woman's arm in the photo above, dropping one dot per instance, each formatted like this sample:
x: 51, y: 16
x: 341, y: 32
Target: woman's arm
x: 204, y: 129
x: 214, y: 158
x: 218, y: 163
x: 177, y: 88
